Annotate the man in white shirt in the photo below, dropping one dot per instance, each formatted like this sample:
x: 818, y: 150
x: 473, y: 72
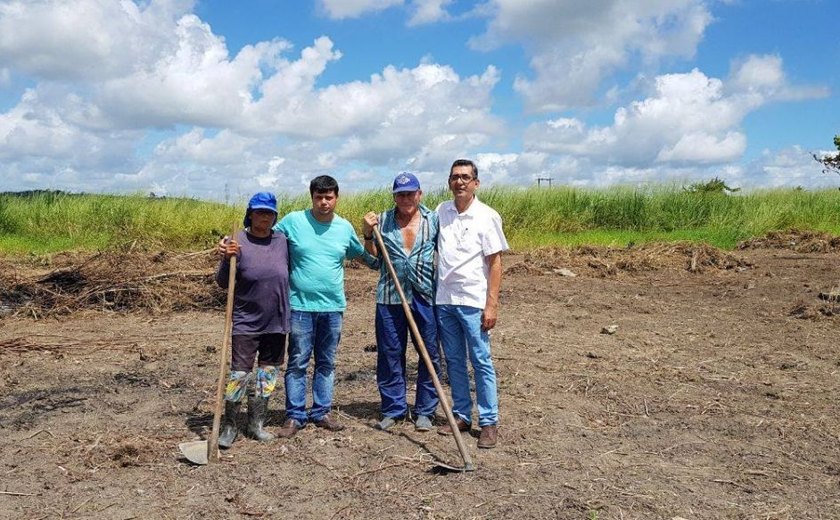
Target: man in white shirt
x: 470, y: 243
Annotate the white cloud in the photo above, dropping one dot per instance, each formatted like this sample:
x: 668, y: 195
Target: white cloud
x: 440, y: 150
x: 224, y: 163
x: 400, y: 111
x: 340, y: 9
x: 786, y: 168
x: 394, y: 109
x: 689, y: 118
x: 366, y: 175
x: 35, y: 132
x: 427, y: 113
x: 84, y: 39
x: 275, y: 168
x: 428, y: 11
x: 764, y: 76
x: 222, y: 150
x: 511, y: 168
x: 575, y: 45
x: 171, y: 71
x: 705, y: 148
x: 143, y: 95
x: 422, y: 11
x: 195, y: 84
x: 758, y: 73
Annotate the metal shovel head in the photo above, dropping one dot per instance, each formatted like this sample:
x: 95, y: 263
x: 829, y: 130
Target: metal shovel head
x: 194, y: 451
x: 442, y: 468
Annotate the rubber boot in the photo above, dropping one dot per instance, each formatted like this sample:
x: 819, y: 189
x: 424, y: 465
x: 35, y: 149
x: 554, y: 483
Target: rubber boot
x: 229, y: 429
x: 257, y: 412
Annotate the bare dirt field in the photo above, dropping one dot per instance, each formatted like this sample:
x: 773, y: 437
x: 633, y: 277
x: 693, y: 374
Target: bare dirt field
x: 714, y: 396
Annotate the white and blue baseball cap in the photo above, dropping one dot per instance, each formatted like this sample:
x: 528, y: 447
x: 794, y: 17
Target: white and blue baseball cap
x: 405, y: 181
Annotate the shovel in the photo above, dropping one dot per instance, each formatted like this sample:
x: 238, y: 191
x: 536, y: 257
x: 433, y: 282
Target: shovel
x: 421, y: 348
x: 202, y: 452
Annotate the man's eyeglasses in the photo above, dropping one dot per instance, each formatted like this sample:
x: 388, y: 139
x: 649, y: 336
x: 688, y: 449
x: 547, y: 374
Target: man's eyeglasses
x: 463, y: 177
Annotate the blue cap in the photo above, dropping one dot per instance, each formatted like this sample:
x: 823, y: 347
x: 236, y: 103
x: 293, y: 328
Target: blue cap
x: 406, y: 182
x: 261, y: 200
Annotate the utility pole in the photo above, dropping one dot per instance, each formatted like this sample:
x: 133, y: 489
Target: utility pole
x: 541, y: 179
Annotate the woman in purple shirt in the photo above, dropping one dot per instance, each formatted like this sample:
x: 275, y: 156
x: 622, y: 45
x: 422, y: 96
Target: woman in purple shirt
x: 260, y: 315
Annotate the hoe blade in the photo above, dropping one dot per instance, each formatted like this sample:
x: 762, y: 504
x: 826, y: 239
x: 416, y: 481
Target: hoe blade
x: 195, y: 451
x: 443, y: 468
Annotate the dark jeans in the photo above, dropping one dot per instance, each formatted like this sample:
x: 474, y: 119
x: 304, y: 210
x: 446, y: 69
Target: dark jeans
x: 392, y: 332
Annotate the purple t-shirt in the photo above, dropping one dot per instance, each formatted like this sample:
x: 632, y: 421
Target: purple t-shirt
x: 261, y: 295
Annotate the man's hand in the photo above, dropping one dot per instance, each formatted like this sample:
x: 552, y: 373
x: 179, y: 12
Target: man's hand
x: 227, y: 247
x: 371, y: 219
x: 488, y: 316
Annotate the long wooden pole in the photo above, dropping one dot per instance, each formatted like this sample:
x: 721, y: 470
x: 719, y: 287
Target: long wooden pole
x: 213, y: 444
x: 421, y: 348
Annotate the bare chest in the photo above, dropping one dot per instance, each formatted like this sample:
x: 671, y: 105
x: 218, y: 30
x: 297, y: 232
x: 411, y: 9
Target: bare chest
x: 409, y: 234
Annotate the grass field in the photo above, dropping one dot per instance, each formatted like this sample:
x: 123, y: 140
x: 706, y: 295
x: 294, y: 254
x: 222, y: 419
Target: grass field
x: 48, y: 222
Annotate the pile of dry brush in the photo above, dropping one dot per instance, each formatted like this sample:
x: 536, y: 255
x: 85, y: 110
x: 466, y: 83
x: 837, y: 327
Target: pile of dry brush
x: 796, y: 240
x: 114, y: 280
x: 128, y: 279
x: 609, y: 261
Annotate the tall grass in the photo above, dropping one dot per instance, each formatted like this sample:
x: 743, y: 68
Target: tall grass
x: 47, y: 221
x: 621, y: 215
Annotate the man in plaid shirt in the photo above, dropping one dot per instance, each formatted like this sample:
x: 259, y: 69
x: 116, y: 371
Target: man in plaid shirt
x: 409, y: 231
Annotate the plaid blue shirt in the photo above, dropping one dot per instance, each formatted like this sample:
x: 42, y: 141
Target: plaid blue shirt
x: 416, y: 270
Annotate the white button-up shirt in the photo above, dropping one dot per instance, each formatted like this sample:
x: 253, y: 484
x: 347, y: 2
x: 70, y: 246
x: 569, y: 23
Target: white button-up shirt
x: 464, y: 242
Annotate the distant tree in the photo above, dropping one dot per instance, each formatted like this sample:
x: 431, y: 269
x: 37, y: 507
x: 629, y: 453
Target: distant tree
x: 710, y: 187
x: 830, y: 163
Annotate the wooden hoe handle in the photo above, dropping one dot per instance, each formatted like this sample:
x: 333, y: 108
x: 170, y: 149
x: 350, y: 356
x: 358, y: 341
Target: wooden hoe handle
x: 421, y: 348
x: 213, y: 444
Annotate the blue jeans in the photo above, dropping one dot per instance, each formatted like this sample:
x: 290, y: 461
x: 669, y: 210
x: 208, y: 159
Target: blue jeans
x: 391, y: 340
x: 460, y: 332
x: 319, y: 332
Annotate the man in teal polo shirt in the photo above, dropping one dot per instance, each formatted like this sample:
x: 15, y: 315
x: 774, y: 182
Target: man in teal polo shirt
x: 319, y: 242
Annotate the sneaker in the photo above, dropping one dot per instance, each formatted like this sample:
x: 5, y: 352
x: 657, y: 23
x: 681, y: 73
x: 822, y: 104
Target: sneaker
x: 489, y: 436
x: 447, y: 430
x: 385, y: 423
x: 423, y: 423
x: 328, y: 423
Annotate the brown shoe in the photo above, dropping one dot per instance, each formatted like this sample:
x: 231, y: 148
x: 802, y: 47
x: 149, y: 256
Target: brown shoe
x: 289, y: 428
x: 489, y: 436
x: 447, y: 430
x: 328, y: 423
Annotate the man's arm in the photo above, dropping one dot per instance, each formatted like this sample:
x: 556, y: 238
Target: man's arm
x: 370, y: 220
x: 494, y: 283
x: 355, y: 249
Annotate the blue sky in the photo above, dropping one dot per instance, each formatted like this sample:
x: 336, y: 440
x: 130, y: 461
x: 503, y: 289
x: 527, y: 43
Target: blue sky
x: 208, y: 98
